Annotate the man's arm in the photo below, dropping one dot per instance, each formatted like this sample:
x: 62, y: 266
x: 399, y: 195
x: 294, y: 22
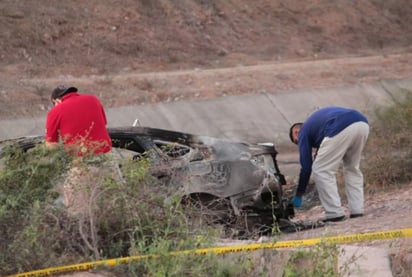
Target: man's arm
x: 305, y: 156
x: 51, y: 136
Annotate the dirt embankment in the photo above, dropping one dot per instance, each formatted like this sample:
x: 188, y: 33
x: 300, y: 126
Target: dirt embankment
x: 104, y: 47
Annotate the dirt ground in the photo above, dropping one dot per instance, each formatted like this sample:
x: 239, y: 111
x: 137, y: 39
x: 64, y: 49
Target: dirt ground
x: 134, y: 52
x: 384, y: 210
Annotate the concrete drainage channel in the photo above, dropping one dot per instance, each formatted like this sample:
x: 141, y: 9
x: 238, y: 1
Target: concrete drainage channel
x: 369, y: 261
x: 253, y: 118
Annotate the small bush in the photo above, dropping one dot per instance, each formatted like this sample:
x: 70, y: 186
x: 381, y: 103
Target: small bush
x: 388, y: 153
x: 26, y: 182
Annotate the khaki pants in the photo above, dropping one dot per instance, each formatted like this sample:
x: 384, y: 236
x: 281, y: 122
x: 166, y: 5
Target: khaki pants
x: 346, y: 147
x: 86, y: 181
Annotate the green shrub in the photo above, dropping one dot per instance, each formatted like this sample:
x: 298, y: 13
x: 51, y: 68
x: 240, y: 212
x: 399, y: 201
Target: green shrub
x: 26, y: 182
x: 133, y: 215
x: 388, y: 154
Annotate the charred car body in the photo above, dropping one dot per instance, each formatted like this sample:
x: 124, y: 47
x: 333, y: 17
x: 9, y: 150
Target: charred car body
x: 238, y: 180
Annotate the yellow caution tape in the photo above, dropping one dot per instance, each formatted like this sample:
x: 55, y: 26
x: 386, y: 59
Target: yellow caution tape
x: 391, y: 234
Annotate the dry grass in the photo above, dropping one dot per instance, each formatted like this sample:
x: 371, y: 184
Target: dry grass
x: 388, y: 153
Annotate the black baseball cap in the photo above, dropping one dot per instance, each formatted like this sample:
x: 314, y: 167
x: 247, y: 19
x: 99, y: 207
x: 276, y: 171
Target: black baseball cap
x: 60, y: 91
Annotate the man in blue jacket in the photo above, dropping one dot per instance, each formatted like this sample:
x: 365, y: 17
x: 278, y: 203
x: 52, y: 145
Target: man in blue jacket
x: 338, y: 135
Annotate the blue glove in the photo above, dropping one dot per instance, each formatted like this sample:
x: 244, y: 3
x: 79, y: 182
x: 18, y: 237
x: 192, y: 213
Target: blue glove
x: 297, y: 201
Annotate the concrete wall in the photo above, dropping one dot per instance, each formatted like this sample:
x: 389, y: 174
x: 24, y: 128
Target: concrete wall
x: 256, y: 118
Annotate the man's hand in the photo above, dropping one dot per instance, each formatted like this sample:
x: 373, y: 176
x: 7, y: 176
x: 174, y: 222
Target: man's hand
x: 297, y: 201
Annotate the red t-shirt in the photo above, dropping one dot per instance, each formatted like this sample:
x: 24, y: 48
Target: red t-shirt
x: 80, y: 121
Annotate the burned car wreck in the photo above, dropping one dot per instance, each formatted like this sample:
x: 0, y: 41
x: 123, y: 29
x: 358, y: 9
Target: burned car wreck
x: 239, y: 182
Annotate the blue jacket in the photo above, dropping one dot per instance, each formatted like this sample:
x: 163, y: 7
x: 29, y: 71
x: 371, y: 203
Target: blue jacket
x: 325, y: 122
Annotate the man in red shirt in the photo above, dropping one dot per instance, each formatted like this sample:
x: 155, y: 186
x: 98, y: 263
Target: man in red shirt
x: 79, y: 121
